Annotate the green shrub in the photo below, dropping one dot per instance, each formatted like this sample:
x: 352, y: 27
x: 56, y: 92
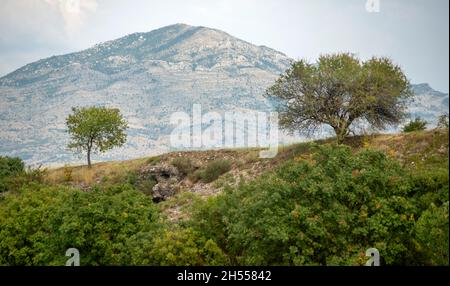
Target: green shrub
x: 185, y: 247
x: 143, y: 185
x: 146, y: 186
x: 432, y: 234
x: 415, y: 125
x: 212, y: 171
x: 183, y: 165
x: 443, y: 121
x: 9, y: 168
x: 325, y: 212
x: 38, y: 224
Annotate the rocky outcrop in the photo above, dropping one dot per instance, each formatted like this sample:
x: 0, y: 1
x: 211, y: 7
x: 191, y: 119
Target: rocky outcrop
x: 167, y: 179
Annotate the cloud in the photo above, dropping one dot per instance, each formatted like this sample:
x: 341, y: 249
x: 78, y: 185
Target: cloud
x: 73, y: 12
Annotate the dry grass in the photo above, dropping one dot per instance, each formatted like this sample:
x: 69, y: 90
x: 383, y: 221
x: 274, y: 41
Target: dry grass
x: 403, y: 146
x: 106, y: 171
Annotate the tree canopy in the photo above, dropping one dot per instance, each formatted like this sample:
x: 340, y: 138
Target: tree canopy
x: 340, y: 90
x: 96, y: 129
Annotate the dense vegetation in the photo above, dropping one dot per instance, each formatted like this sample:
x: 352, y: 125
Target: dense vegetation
x: 9, y: 169
x: 330, y: 208
x: 325, y: 205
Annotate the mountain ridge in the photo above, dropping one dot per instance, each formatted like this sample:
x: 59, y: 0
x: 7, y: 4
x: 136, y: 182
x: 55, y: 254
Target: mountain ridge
x: 182, y: 30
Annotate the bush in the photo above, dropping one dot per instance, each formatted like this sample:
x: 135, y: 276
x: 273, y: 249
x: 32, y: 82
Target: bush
x: 183, y: 165
x: 185, y: 247
x: 212, y: 171
x: 443, y: 121
x: 432, y: 234
x: 325, y: 211
x: 143, y: 185
x: 38, y: 224
x: 9, y: 168
x: 416, y: 125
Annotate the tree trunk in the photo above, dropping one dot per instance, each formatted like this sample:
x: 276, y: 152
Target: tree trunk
x: 342, y: 130
x: 89, y: 157
x: 341, y: 133
x: 339, y: 139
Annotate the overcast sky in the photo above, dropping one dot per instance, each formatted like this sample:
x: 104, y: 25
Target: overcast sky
x: 414, y: 33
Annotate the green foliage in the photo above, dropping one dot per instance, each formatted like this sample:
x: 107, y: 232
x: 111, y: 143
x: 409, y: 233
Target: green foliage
x: 212, y: 171
x: 432, y: 233
x: 96, y: 129
x: 415, y: 125
x: 340, y: 90
x: 325, y: 207
x: 185, y: 247
x: 184, y: 165
x: 143, y: 185
x: 324, y: 212
x: 38, y: 224
x: 443, y: 121
x: 9, y: 168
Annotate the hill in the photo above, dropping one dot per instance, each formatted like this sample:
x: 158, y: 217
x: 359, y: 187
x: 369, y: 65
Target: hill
x: 171, y: 177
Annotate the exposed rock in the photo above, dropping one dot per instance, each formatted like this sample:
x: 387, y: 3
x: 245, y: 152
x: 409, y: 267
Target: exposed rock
x: 164, y: 190
x: 159, y: 172
x: 167, y: 179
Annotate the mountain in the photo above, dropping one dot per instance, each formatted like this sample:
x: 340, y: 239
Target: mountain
x: 149, y: 76
x: 428, y: 103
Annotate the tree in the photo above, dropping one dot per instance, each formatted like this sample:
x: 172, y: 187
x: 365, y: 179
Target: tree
x: 95, y: 129
x: 338, y: 91
x: 415, y: 125
x: 443, y: 121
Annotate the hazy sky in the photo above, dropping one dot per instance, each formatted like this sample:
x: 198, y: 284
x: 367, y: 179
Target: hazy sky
x: 415, y: 33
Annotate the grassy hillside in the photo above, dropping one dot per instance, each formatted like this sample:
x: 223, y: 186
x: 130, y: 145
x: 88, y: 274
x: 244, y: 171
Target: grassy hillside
x: 416, y: 151
x: 314, y: 204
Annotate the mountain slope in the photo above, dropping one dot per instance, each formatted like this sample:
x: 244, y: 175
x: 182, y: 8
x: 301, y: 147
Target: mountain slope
x: 148, y: 75
x: 428, y: 103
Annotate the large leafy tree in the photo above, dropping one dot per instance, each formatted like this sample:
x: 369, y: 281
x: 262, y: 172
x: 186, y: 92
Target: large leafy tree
x: 339, y: 91
x: 95, y: 129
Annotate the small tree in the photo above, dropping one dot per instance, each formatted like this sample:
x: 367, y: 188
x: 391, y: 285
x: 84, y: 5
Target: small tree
x: 95, y: 129
x: 338, y: 91
x: 415, y: 125
x: 443, y: 121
